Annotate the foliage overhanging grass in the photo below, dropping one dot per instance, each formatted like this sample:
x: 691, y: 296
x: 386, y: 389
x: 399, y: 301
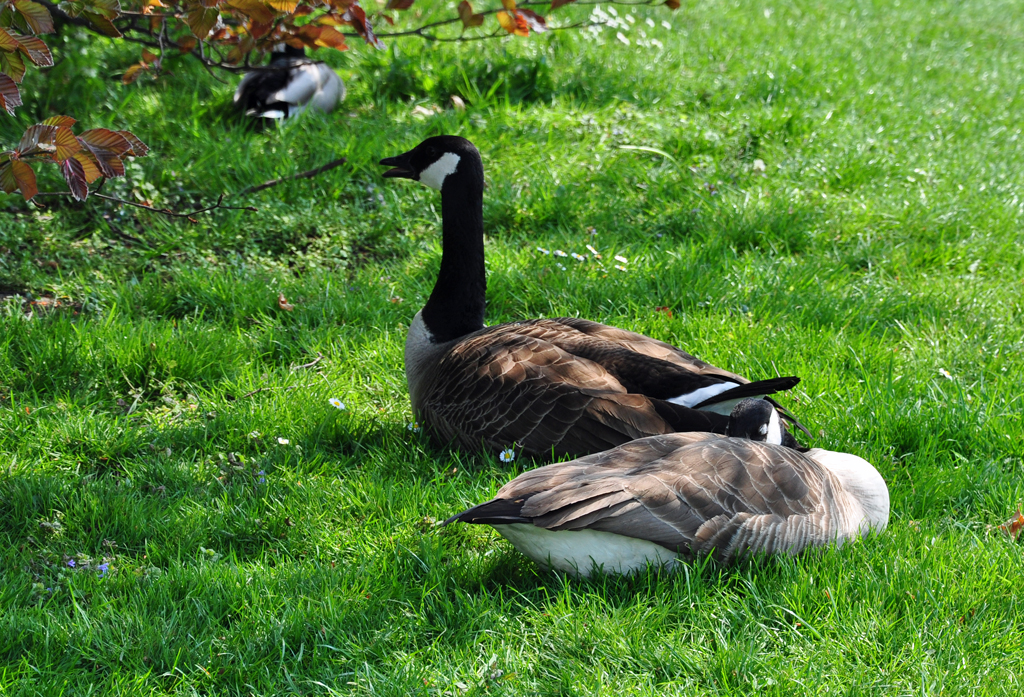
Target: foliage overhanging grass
x: 828, y: 191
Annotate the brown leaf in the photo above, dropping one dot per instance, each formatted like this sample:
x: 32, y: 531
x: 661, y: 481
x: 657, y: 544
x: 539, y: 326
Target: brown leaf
x: 36, y: 50
x: 399, y: 4
x: 283, y: 303
x: 672, y: 4
x: 102, y: 24
x: 36, y: 15
x: 89, y: 166
x: 66, y: 143
x: 357, y: 17
x: 7, y: 41
x: 149, y: 57
x: 37, y: 139
x: 468, y: 18
x: 133, y: 73
x: 514, y: 23
x: 74, y: 175
x: 107, y: 147
x: 254, y: 9
x: 667, y: 311
x: 331, y: 38
x: 60, y: 121
x: 202, y: 19
x: 283, y: 5
x: 187, y: 43
x: 10, y: 97
x: 13, y: 65
x: 25, y: 178
x: 1014, y: 525
x: 509, y: 5
x: 555, y: 4
x: 139, y: 149
x: 534, y: 20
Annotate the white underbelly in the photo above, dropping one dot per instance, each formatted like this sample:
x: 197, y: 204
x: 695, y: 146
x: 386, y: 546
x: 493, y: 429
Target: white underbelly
x: 579, y: 552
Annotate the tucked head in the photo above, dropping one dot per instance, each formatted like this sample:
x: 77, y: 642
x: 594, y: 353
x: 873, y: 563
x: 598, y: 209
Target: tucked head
x: 755, y: 419
x: 437, y: 160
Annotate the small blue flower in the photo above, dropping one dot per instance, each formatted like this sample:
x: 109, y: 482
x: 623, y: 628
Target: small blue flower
x: 102, y: 568
x: 71, y: 563
x: 263, y: 477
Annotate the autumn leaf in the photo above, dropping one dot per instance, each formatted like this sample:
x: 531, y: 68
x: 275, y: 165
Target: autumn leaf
x: 36, y: 15
x: 534, y: 20
x: 139, y: 149
x: 106, y: 147
x: 10, y: 97
x: 331, y: 38
x: 36, y: 50
x: 187, y: 43
x: 399, y: 4
x: 509, y: 5
x: 149, y: 57
x: 60, y: 121
x: 555, y: 4
x: 283, y: 303
x: 468, y: 18
x: 89, y: 166
x: 283, y: 5
x: 202, y: 19
x: 37, y: 139
x: 13, y: 65
x: 102, y: 24
x: 1014, y: 525
x: 133, y: 73
x: 74, y: 175
x: 15, y: 175
x: 254, y: 9
x: 7, y: 41
x: 672, y: 4
x: 66, y: 144
x: 514, y: 23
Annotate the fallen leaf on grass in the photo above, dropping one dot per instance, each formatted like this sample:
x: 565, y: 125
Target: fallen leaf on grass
x: 283, y: 303
x: 1014, y: 525
x: 667, y: 310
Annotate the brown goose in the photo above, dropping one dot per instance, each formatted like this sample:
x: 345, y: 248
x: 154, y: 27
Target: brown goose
x: 683, y: 495
x: 550, y: 386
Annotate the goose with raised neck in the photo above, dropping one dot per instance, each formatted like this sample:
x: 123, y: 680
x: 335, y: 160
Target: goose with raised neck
x: 548, y: 386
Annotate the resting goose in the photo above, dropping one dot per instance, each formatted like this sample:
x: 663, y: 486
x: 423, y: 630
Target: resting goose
x: 548, y: 386
x: 289, y: 84
x: 684, y: 495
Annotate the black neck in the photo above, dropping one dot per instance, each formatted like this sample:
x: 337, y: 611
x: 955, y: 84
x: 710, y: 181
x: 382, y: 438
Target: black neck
x: 456, y: 305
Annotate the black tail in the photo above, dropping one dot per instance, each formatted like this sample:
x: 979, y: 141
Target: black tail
x: 493, y: 512
x: 751, y: 389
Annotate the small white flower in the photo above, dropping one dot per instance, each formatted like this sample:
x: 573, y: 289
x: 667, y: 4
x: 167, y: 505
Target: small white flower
x: 543, y: 251
x: 945, y: 373
x: 579, y: 257
x: 252, y: 434
x: 560, y: 267
x: 560, y: 253
x: 619, y: 257
x: 283, y: 441
x: 336, y: 403
x: 507, y: 455
x: 620, y: 267
x: 593, y: 251
x: 413, y: 426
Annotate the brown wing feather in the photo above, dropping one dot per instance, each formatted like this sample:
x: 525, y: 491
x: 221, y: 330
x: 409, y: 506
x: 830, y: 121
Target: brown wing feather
x: 691, y: 493
x: 505, y: 386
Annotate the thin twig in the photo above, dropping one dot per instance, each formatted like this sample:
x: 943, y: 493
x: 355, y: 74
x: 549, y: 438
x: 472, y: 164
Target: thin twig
x: 319, y: 357
x: 303, y: 175
x: 162, y: 211
x: 261, y: 389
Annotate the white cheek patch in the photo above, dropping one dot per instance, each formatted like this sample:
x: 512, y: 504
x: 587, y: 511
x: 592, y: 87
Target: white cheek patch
x: 774, y: 429
x: 434, y: 175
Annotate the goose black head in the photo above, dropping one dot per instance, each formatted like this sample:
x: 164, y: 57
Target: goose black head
x: 439, y: 160
x: 756, y: 419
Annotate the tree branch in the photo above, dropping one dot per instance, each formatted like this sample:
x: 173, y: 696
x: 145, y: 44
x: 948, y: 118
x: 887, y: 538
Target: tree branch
x: 163, y: 211
x: 303, y: 175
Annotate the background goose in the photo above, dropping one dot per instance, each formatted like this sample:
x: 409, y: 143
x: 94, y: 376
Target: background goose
x: 561, y: 386
x: 682, y: 495
x: 289, y: 84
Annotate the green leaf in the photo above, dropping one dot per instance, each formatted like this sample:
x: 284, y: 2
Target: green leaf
x: 102, y: 24
x: 7, y: 41
x: 12, y: 65
x: 201, y: 20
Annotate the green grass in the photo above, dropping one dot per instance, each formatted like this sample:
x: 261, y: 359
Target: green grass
x: 878, y: 255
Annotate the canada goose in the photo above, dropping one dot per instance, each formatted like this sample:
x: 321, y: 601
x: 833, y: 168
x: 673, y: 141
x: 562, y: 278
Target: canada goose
x: 289, y: 84
x: 685, y: 495
x: 548, y: 386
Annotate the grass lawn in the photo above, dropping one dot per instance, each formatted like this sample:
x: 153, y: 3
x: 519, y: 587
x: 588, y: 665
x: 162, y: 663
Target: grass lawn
x: 831, y: 190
